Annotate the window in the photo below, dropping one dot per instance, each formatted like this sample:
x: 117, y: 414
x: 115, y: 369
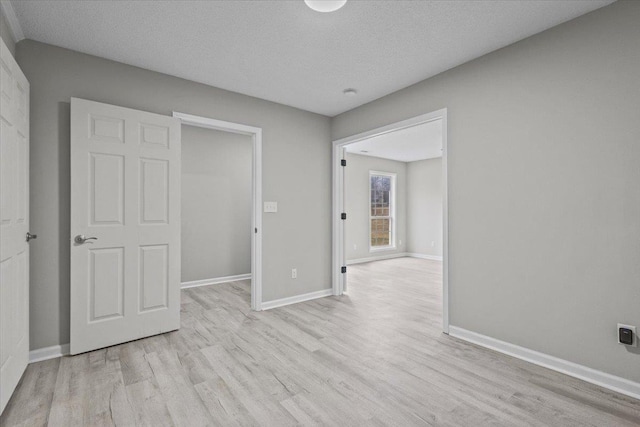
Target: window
x: 382, y: 210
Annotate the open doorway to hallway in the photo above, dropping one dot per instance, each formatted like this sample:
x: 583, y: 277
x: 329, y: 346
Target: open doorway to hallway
x: 390, y: 192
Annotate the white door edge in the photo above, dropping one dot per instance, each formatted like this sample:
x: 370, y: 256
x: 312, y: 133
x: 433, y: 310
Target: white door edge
x: 14, y: 224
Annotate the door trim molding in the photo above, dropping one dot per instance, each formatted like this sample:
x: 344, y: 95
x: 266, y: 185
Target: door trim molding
x: 13, y: 21
x: 602, y: 379
x: 256, y: 218
x: 339, y: 256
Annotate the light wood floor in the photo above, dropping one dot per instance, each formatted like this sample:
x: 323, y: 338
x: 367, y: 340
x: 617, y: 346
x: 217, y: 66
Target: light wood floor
x: 373, y: 357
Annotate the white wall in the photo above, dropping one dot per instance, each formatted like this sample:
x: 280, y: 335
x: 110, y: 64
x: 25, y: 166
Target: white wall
x: 544, y: 200
x: 424, y: 207
x: 216, y: 203
x: 357, y: 192
x: 296, y: 172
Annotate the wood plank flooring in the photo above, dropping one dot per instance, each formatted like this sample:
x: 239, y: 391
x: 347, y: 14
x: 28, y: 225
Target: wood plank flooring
x: 373, y: 357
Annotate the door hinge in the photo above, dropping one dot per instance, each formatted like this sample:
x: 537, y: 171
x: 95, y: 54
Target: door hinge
x: 343, y: 269
x: 343, y: 215
x: 256, y: 230
x: 343, y: 162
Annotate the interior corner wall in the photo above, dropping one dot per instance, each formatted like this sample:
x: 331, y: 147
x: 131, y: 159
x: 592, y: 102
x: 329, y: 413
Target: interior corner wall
x: 357, y: 190
x: 424, y: 207
x: 543, y: 178
x: 216, y: 203
x: 296, y: 172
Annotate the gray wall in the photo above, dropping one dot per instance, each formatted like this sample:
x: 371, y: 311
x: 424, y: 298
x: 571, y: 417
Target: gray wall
x: 424, y: 207
x: 543, y: 178
x: 216, y: 203
x: 5, y: 34
x: 296, y: 172
x: 357, y: 204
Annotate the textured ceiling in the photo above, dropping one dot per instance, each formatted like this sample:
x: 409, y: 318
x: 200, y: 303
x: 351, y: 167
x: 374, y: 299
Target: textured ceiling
x: 283, y: 51
x: 419, y: 142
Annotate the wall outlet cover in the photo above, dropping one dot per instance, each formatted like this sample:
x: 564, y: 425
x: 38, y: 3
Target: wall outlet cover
x: 634, y: 338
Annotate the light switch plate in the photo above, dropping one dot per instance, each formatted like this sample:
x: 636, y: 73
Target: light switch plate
x: 271, y: 207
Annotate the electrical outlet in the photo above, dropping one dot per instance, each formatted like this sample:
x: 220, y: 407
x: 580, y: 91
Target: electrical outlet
x: 294, y: 273
x: 355, y: 246
x: 626, y: 328
x: 399, y: 242
x: 433, y: 244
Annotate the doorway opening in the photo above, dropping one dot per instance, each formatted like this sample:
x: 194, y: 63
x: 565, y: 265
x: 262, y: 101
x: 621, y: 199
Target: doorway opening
x: 226, y: 242
x: 390, y: 201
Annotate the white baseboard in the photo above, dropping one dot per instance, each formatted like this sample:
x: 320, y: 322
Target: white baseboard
x: 423, y: 256
x: 377, y: 258
x: 214, y: 281
x: 298, y: 298
x: 611, y: 382
x: 47, y: 353
x: 394, y: 255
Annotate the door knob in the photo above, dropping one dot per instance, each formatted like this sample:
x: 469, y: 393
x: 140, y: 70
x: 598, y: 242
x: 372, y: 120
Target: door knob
x: 80, y: 239
x: 31, y: 236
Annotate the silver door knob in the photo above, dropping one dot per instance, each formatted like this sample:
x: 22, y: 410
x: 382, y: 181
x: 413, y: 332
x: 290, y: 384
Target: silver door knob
x: 31, y: 236
x: 80, y: 239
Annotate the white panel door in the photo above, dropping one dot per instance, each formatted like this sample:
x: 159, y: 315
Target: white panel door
x: 125, y: 201
x: 14, y: 224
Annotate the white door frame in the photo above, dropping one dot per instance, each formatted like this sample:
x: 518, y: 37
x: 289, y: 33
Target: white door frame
x: 256, y: 217
x: 339, y: 258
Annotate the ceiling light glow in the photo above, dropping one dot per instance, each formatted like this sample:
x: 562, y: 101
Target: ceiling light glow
x: 325, y: 5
